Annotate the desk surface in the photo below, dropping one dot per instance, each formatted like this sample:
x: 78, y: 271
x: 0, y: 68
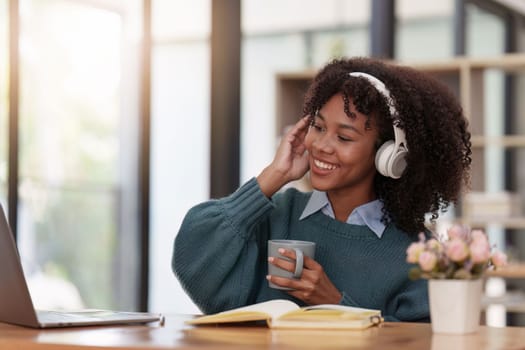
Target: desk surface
x: 176, y: 335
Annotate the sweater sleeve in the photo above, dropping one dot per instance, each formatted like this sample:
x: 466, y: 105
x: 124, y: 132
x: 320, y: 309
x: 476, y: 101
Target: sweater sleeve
x: 218, y: 249
x: 411, y: 304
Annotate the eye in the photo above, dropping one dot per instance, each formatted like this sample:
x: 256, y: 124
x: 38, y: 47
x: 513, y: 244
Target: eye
x: 344, y: 138
x: 317, y: 127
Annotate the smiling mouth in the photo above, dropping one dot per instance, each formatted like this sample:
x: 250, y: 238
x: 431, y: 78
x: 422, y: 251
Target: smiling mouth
x: 323, y: 165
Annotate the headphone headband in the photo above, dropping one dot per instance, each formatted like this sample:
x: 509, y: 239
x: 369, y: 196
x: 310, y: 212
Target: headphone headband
x: 380, y: 87
x: 390, y: 158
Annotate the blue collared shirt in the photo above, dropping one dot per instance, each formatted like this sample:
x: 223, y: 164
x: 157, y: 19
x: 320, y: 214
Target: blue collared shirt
x: 368, y: 214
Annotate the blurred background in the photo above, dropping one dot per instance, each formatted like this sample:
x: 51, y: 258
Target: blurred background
x: 117, y: 116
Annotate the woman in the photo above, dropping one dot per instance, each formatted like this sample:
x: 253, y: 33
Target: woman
x: 385, y: 146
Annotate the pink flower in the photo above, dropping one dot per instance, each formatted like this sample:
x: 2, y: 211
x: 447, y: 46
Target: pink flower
x: 458, y: 231
x: 413, y: 252
x: 479, y: 236
x: 499, y: 259
x: 427, y: 260
x: 457, y: 250
x: 479, y: 251
x: 462, y: 254
x: 435, y: 245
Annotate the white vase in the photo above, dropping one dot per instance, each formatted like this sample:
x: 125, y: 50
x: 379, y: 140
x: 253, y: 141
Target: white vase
x: 455, y: 305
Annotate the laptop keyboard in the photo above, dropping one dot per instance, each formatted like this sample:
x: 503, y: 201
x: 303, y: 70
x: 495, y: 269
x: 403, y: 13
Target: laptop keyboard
x: 55, y: 316
x: 71, y: 316
x: 95, y: 317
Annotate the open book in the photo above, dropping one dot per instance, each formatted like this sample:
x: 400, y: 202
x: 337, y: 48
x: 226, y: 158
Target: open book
x: 282, y: 313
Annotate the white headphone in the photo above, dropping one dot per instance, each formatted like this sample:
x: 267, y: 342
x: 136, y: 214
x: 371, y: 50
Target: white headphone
x: 390, y: 157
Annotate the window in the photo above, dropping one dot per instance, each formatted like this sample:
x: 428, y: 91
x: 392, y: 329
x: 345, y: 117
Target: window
x: 180, y: 136
x: 78, y: 121
x: 4, y: 99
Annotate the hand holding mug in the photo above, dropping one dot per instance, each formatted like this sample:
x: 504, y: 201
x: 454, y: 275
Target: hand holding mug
x: 300, y: 248
x: 308, y: 283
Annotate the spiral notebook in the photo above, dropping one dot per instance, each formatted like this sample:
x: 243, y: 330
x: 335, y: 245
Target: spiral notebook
x: 16, y: 306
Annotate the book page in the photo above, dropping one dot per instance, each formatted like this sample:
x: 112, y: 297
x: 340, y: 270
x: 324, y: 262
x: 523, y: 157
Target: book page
x: 256, y: 312
x: 273, y: 308
x: 340, y: 307
x: 328, y: 317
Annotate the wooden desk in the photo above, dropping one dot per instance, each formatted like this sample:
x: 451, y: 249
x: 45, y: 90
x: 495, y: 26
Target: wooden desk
x: 176, y: 335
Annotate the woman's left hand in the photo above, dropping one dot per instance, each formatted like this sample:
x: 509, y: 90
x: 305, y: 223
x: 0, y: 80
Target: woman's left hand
x: 314, y: 287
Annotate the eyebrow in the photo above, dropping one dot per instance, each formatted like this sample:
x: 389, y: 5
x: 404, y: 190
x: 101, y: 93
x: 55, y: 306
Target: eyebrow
x: 341, y: 126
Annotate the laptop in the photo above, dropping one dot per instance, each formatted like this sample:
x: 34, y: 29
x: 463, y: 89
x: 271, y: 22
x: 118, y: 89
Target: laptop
x: 16, y: 306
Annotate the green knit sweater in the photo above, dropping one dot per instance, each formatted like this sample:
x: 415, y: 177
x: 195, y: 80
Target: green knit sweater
x: 220, y: 255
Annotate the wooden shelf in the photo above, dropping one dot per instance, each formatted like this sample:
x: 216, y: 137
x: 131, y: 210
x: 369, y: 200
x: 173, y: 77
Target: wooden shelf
x: 502, y: 141
x: 508, y: 63
x: 507, y: 223
x: 513, y: 301
x: 515, y: 270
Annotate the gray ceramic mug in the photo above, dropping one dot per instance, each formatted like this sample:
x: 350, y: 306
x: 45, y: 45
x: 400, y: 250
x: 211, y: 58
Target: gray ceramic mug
x: 301, y: 249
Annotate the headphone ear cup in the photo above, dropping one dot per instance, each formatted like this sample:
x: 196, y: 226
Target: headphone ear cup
x: 398, y: 163
x: 383, y: 155
x: 390, y: 163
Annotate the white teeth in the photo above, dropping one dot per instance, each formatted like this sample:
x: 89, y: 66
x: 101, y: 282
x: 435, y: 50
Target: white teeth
x: 323, y: 165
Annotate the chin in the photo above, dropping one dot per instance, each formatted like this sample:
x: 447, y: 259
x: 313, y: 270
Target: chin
x: 320, y: 186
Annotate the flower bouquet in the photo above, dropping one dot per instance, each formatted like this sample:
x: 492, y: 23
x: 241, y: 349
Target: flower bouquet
x: 463, y: 254
x: 454, y: 265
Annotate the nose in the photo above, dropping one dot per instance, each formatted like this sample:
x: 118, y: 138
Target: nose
x: 323, y: 143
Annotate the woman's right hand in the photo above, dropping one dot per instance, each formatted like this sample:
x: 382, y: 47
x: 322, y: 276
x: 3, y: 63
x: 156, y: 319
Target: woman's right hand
x: 290, y: 161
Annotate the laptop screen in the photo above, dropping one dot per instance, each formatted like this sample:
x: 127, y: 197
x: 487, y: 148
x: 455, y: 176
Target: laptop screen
x: 16, y: 306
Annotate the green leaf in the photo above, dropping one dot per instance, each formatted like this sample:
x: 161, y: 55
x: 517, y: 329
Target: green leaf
x: 414, y: 273
x: 462, y: 274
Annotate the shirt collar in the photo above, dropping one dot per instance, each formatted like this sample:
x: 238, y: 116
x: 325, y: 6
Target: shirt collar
x: 318, y: 200
x: 369, y: 214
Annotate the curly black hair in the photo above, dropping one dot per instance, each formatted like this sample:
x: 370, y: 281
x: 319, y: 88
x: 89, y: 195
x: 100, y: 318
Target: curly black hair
x: 437, y: 136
